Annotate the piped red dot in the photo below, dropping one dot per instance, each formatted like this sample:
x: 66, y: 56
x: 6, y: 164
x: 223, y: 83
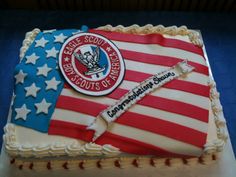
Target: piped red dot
x: 99, y: 164
x: 21, y: 167
x: 31, y: 166
x: 81, y: 165
x: 12, y: 161
x: 49, y: 166
x: 117, y: 163
x: 184, y: 161
x: 65, y: 165
x: 200, y: 160
x: 152, y: 163
x: 167, y: 162
x: 135, y: 163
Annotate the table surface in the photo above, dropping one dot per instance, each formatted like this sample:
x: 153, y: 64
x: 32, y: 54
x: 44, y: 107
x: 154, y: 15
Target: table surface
x: 218, y: 31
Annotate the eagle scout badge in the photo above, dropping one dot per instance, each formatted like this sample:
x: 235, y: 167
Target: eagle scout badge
x: 91, y: 64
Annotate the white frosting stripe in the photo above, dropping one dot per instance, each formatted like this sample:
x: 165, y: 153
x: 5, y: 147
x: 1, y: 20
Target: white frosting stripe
x: 172, y: 94
x: 160, y: 141
x: 72, y: 117
x: 157, y: 49
x: 153, y: 69
x: 85, y: 119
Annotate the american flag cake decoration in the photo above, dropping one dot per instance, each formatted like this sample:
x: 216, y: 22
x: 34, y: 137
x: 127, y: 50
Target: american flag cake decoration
x: 67, y: 78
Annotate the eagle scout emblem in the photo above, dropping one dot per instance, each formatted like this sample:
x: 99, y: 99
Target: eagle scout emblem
x: 91, y: 64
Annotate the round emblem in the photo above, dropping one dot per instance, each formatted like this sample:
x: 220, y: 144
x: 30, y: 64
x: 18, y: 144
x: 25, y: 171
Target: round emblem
x: 91, y: 64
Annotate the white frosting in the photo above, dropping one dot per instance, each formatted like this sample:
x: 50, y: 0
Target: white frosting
x: 216, y: 145
x: 70, y: 147
x: 58, y: 148
x: 110, y: 150
x: 193, y: 36
x: 29, y: 38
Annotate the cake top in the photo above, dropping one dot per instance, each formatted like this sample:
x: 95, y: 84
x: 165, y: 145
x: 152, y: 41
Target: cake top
x: 98, y: 88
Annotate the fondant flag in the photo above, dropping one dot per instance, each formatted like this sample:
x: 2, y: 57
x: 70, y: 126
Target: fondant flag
x: 159, y: 124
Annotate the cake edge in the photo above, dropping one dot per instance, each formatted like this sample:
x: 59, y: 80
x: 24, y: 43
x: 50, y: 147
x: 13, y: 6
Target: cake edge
x: 210, y: 148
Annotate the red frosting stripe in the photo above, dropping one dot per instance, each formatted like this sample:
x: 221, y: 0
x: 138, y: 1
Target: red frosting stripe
x: 150, y: 101
x: 176, y: 84
x: 136, y: 120
x: 150, y: 39
x: 130, y: 146
x: 168, y: 105
x: 161, y: 60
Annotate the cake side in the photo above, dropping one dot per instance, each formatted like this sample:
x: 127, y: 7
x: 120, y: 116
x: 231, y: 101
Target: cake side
x: 74, y: 149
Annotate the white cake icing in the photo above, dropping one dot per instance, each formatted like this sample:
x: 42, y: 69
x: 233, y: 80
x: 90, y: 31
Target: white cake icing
x: 32, y: 146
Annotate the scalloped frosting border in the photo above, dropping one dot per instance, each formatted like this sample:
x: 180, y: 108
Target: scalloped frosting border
x: 210, y: 149
x: 54, y: 150
x: 193, y: 35
x: 29, y: 39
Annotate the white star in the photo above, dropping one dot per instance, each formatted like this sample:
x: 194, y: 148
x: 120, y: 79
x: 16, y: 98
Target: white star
x: 43, y: 70
x: 21, y: 113
x: 32, y: 90
x: 49, y: 31
x: 60, y: 38
x: 52, y: 52
x: 20, y: 77
x: 42, y: 106
x: 52, y: 84
x: 41, y: 42
x: 32, y: 58
x: 108, y: 49
x: 67, y: 59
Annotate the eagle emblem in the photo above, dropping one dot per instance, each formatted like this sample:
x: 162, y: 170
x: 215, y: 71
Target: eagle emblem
x: 90, y: 58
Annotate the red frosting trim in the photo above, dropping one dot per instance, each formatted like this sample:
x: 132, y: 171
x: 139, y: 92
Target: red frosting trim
x: 200, y: 160
x: 81, y: 165
x: 152, y: 162
x: 12, y: 161
x: 167, y: 162
x: 31, y: 165
x: 214, y: 157
x: 99, y: 164
x: 185, y: 161
x: 135, y: 163
x: 49, y: 166
x: 20, y: 167
x: 65, y: 165
x: 117, y: 163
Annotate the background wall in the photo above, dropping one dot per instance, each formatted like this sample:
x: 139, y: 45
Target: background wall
x: 170, y: 5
